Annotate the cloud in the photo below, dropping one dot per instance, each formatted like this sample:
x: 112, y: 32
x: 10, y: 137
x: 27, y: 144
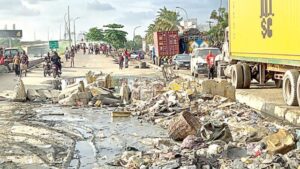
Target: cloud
x: 96, y: 5
x: 19, y: 9
x: 37, y: 1
x: 134, y: 18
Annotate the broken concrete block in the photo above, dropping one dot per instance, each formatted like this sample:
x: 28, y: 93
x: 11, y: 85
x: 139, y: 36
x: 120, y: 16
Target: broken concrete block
x: 136, y: 94
x: 81, y: 87
x: 55, y: 93
x: 124, y: 93
x: 207, y: 86
x: 108, y: 81
x: 32, y: 94
x: 230, y: 92
x: 83, y: 95
x: 45, y: 94
x: 19, y: 92
x: 69, y: 101
x: 219, y: 88
x: 182, y: 126
x: 97, y: 91
x: 281, y: 142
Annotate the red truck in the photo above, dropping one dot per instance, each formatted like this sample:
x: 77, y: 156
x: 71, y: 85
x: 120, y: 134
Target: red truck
x: 166, y: 45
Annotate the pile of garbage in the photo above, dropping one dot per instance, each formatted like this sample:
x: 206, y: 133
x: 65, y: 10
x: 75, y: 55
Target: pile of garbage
x: 207, y: 130
x: 96, y: 92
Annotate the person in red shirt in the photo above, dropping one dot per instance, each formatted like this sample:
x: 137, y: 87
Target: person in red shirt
x: 210, y: 60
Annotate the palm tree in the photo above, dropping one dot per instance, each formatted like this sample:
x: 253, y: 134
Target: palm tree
x: 149, y: 33
x: 166, y: 20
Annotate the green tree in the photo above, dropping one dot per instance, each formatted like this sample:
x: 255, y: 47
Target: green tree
x: 115, y: 36
x: 136, y: 44
x: 149, y: 33
x: 95, y: 34
x: 166, y: 20
x: 217, y: 33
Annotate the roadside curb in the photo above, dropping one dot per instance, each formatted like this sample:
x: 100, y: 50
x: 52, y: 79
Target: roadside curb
x: 282, y: 112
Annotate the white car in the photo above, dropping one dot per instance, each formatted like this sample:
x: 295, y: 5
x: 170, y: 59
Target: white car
x: 198, y: 61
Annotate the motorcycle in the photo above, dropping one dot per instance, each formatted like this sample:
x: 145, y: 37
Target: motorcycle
x: 55, y: 71
x: 47, y: 68
x: 23, y: 69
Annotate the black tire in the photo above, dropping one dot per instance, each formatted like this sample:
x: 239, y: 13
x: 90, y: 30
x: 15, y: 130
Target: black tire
x: 246, y: 76
x: 298, y: 91
x: 278, y: 83
x: 45, y: 73
x: 237, y: 76
x: 289, y: 89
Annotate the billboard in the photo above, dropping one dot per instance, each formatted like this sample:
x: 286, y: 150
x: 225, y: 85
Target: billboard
x: 11, y: 33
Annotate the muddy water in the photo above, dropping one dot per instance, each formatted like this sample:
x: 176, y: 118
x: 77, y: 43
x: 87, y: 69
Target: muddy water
x: 94, y: 137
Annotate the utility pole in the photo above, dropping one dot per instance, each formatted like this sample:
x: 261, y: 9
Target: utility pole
x: 75, y: 30
x: 134, y: 34
x: 69, y: 23
x: 186, y: 14
x: 209, y: 23
x: 60, y: 32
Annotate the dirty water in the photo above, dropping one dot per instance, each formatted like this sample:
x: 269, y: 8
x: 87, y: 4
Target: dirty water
x: 50, y: 136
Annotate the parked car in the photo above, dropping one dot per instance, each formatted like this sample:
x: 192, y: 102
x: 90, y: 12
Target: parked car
x: 9, y: 53
x: 135, y: 55
x: 182, y: 61
x: 198, y: 60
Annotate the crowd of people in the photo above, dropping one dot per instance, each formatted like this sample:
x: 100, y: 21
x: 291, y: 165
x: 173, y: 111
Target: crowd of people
x: 124, y: 58
x: 20, y: 62
x: 97, y: 49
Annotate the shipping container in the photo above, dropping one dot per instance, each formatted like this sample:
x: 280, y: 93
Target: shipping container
x: 266, y: 31
x: 262, y: 44
x: 166, y: 44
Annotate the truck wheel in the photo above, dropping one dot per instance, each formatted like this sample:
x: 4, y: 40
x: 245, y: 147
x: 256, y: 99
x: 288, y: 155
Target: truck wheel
x: 247, y: 76
x: 237, y: 76
x: 289, y: 89
x: 298, y: 91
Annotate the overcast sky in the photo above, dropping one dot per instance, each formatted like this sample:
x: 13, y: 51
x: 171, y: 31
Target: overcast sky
x: 42, y: 15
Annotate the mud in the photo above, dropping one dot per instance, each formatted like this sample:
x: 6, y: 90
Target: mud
x: 49, y: 136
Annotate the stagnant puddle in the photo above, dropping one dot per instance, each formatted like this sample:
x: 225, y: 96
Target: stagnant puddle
x: 103, y: 138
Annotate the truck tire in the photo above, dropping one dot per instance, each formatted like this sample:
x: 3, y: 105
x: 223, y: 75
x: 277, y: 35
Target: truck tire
x: 237, y: 76
x: 247, y: 76
x: 298, y: 91
x: 289, y: 89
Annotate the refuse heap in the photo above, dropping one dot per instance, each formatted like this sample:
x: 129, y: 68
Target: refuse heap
x: 207, y: 130
x: 97, y: 92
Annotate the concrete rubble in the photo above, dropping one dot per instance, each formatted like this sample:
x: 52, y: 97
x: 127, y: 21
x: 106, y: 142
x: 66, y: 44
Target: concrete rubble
x: 20, y: 94
x: 208, y: 129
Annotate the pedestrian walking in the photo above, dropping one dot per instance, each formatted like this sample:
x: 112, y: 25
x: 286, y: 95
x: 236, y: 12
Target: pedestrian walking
x: 24, y: 63
x: 121, y: 61
x: 72, y: 56
x: 126, y: 58
x: 210, y: 60
x: 17, y: 62
x: 67, y: 52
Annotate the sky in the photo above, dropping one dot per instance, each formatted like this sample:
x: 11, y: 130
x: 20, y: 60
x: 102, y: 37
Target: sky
x: 38, y: 17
